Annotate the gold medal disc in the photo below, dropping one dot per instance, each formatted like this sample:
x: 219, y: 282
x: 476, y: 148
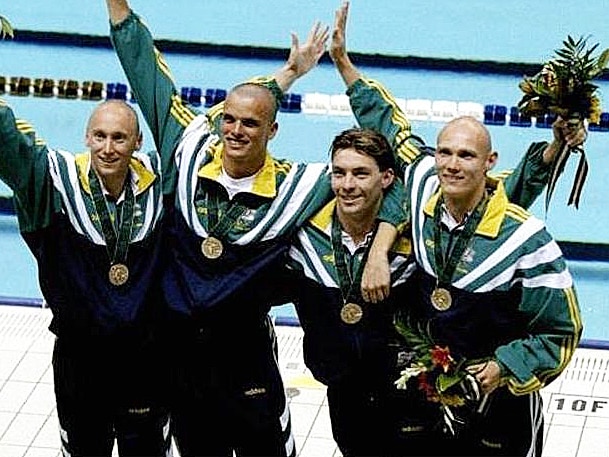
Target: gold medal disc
x: 118, y: 274
x: 441, y: 299
x: 351, y: 313
x: 212, y: 247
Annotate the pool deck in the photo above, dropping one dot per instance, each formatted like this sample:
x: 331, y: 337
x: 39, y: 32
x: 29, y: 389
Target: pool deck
x: 576, y: 405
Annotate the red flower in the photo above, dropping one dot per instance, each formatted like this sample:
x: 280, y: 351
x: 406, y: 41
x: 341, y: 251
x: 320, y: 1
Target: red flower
x: 428, y: 388
x: 441, y: 357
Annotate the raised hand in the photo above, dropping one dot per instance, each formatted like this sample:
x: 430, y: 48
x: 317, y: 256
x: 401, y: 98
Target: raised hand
x: 571, y: 133
x: 303, y: 58
x: 118, y: 10
x: 338, y: 46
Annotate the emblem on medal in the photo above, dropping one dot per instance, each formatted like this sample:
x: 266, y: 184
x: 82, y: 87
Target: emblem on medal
x: 212, y: 247
x: 351, y: 313
x: 441, y: 299
x: 118, y: 274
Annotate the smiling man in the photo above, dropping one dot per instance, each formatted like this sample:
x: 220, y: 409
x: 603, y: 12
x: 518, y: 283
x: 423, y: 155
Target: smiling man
x: 491, y: 284
x: 493, y: 287
x: 350, y: 345
x: 358, y: 182
x: 248, y: 124
x: 234, y: 208
x: 112, y: 135
x: 92, y: 221
x: 230, y: 205
x: 461, y: 167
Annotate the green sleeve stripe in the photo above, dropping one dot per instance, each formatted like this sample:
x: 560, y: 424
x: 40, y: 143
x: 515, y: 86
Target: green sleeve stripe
x: 406, y: 151
x: 180, y: 112
x: 162, y: 65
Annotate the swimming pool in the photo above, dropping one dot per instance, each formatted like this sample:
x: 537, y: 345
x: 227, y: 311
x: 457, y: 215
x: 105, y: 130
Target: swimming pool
x: 307, y: 136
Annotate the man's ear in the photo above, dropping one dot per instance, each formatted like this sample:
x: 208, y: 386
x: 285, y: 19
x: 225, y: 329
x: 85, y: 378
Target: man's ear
x: 274, y: 130
x: 491, y: 160
x: 139, y: 142
x: 387, y: 178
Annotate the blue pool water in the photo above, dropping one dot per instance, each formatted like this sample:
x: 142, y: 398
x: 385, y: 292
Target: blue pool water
x: 475, y: 29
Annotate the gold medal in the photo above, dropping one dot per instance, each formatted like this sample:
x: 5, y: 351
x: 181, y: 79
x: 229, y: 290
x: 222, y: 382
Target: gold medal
x: 118, y: 274
x: 351, y: 313
x: 441, y: 299
x: 212, y: 247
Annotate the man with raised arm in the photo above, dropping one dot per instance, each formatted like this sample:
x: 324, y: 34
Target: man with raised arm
x: 92, y: 221
x: 492, y: 286
x: 233, y: 209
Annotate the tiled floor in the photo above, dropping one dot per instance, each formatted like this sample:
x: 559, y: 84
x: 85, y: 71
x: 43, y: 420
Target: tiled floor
x: 576, y: 405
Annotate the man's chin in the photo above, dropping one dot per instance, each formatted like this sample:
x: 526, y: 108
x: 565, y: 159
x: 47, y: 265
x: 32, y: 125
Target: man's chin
x: 350, y: 208
x: 236, y: 153
x: 451, y: 189
x: 103, y: 171
x: 107, y: 173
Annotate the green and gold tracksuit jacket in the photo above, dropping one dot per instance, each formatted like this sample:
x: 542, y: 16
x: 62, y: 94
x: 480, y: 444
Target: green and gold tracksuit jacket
x: 513, y: 296
x: 58, y: 221
x: 282, y: 196
x: 333, y: 348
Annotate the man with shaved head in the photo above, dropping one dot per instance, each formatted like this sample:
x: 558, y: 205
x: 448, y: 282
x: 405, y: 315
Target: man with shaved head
x: 233, y: 211
x: 466, y: 183
x: 491, y: 287
x: 92, y: 221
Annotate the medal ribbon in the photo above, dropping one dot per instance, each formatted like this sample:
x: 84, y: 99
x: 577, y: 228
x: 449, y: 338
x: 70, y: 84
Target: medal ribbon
x: 219, y: 225
x: 344, y: 277
x: 117, y: 236
x: 446, y: 265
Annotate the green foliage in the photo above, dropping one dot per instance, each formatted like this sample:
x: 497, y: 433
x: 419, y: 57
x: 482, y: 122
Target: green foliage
x: 438, y: 374
x: 564, y: 86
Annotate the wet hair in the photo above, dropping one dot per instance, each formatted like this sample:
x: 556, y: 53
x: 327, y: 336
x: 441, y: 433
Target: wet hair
x: 367, y: 142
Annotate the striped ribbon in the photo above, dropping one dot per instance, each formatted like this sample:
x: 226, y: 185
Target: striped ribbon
x: 558, y: 166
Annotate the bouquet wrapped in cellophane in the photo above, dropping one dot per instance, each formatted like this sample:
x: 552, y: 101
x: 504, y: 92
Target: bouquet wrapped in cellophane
x: 563, y: 88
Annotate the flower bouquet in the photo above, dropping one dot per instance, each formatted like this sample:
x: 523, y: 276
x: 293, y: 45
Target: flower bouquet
x: 441, y: 378
x: 7, y: 29
x: 563, y: 88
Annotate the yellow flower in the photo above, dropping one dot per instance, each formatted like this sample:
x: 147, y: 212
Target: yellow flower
x: 452, y: 400
x: 595, y: 110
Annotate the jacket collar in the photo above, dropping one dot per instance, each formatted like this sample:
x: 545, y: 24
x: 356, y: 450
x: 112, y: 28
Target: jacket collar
x: 322, y: 220
x: 264, y: 183
x: 140, y: 175
x: 495, y: 210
